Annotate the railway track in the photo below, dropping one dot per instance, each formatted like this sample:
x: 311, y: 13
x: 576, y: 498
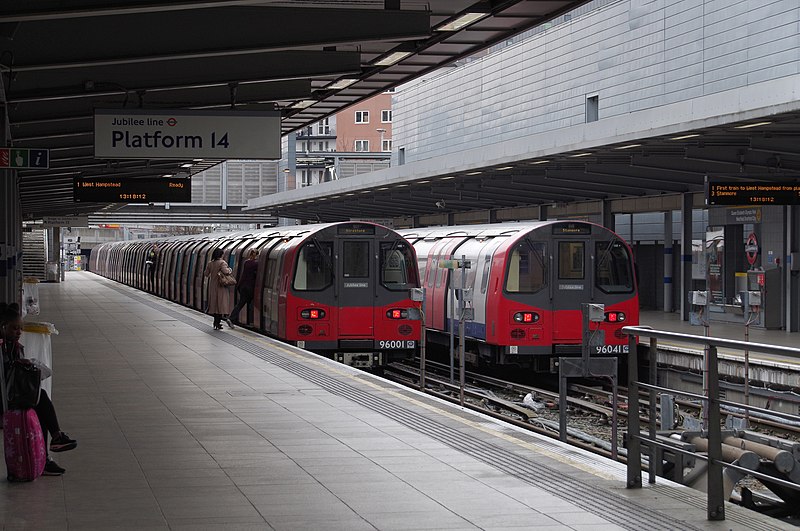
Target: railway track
x: 501, y: 399
x: 590, y: 411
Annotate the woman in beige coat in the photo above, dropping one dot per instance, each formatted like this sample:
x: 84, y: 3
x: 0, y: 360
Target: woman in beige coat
x: 220, y: 298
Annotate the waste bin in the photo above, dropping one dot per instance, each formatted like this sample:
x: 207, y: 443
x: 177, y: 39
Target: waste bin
x: 36, y: 340
x: 51, y: 271
x: 30, y: 296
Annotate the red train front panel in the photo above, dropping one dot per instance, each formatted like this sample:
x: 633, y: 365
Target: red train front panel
x: 345, y: 292
x: 528, y: 283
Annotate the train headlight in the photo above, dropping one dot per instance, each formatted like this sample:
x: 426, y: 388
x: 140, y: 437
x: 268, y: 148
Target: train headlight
x: 397, y: 313
x: 615, y: 317
x: 312, y: 313
x: 526, y: 317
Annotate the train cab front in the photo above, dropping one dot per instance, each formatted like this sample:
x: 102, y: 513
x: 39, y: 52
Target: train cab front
x: 369, y: 318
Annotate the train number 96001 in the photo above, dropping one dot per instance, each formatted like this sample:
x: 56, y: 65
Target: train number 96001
x: 396, y: 344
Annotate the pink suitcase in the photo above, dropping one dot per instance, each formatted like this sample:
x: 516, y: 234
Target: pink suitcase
x: 24, y: 445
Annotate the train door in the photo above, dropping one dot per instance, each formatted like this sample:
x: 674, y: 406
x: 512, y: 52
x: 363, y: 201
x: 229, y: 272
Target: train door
x: 203, y: 256
x: 356, y: 284
x: 264, y: 247
x: 571, y: 282
x: 481, y: 269
x: 437, y: 305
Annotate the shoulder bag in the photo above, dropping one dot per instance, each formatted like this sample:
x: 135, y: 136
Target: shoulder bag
x: 225, y: 279
x: 24, y: 382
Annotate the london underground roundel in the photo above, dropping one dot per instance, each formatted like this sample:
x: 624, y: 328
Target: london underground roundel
x: 751, y: 248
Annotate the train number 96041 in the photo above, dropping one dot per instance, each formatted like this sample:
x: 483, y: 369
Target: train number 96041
x: 396, y: 344
x: 611, y: 349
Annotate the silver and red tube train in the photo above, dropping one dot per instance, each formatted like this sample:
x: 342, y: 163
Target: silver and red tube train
x: 528, y: 282
x: 340, y: 289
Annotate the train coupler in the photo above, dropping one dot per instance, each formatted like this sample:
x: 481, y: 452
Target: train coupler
x: 360, y: 359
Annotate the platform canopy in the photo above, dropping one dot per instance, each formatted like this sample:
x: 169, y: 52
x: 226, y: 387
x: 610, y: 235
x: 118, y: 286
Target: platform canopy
x: 306, y: 58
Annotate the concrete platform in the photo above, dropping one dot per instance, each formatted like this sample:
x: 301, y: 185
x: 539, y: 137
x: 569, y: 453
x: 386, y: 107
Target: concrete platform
x: 182, y: 427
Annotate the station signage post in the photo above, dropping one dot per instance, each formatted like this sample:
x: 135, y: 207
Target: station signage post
x: 24, y: 158
x: 180, y: 134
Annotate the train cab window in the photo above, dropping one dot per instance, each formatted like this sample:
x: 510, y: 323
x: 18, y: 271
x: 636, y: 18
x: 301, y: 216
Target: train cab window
x: 397, y: 266
x: 527, y: 272
x: 355, y: 259
x: 613, y: 272
x: 570, y: 260
x: 487, y: 262
x: 314, y: 267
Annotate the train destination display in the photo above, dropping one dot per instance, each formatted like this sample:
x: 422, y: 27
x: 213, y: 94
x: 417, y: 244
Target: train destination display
x: 753, y: 193
x: 145, y: 190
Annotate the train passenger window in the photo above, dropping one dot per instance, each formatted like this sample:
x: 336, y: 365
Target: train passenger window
x: 613, y: 268
x: 397, y: 266
x: 314, y: 267
x: 355, y: 259
x: 527, y: 272
x: 570, y: 260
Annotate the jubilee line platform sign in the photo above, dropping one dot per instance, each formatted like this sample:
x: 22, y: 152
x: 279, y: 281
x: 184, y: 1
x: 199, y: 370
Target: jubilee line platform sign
x: 180, y: 134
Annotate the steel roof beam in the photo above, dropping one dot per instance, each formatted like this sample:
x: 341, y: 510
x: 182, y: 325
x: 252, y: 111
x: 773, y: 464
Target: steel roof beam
x: 140, y: 78
x: 117, y: 40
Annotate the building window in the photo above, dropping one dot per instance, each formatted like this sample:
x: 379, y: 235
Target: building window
x: 324, y: 127
x: 386, y: 145
x: 386, y: 116
x: 306, y: 178
x: 362, y: 145
x: 401, y: 156
x: 592, y: 108
x: 362, y: 117
x: 389, y: 91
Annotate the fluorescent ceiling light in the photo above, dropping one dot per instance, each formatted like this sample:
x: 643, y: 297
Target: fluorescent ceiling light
x: 684, y: 137
x: 401, y: 185
x: 540, y: 162
x: 748, y: 126
x: 342, y: 83
x: 392, y: 58
x: 168, y: 175
x: 186, y: 165
x: 302, y: 104
x: 462, y: 22
x: 384, y: 188
x: 365, y: 192
x: 505, y: 168
x: 629, y: 146
x: 422, y: 182
x: 473, y: 173
x: 447, y: 178
x: 350, y: 193
x: 581, y: 154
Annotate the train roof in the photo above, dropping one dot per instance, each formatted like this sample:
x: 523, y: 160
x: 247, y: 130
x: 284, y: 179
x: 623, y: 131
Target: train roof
x: 488, y: 230
x: 289, y: 231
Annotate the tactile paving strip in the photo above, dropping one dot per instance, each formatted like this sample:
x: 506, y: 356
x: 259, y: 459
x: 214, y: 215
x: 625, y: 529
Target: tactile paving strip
x: 607, y: 505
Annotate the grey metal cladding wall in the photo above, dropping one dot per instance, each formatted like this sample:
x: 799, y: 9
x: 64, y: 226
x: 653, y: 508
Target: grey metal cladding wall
x: 635, y: 54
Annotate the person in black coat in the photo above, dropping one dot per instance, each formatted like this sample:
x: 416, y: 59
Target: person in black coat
x: 246, y: 284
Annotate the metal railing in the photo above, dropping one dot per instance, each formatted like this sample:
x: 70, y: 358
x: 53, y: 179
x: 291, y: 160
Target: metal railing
x: 712, y: 402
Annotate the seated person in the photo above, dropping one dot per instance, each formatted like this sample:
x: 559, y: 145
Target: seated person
x: 10, y: 332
